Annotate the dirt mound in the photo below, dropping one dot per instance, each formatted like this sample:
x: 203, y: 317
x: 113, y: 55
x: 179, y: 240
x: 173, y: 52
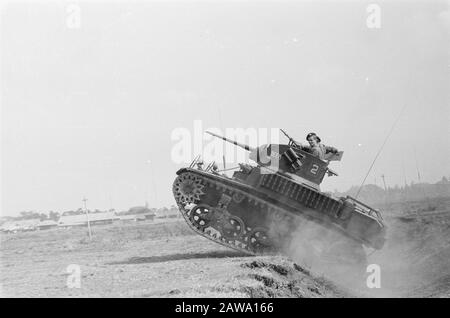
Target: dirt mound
x: 280, y: 277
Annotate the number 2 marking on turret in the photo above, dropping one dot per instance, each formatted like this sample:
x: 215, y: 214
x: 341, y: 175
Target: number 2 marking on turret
x: 314, y: 169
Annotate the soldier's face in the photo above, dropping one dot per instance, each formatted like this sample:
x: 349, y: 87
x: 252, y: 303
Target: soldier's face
x: 312, y: 142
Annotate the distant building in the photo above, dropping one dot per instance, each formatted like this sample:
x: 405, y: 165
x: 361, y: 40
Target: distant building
x: 47, y: 224
x: 19, y: 226
x: 128, y: 217
x: 171, y: 212
x: 81, y: 219
x: 141, y: 213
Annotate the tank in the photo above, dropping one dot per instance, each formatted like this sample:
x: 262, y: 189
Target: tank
x: 277, y: 204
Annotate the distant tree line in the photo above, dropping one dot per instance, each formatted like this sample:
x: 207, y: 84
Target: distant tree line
x: 413, y: 192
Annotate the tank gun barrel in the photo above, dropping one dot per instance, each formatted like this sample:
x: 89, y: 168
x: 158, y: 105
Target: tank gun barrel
x: 244, y: 146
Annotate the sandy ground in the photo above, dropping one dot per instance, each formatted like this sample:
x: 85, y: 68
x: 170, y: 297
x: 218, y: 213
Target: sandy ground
x: 166, y: 259
x: 145, y: 260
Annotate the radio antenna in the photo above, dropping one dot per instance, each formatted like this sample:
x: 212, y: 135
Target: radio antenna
x: 379, y: 151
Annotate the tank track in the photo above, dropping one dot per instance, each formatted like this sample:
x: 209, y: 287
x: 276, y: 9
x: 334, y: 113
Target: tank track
x: 222, y: 227
x: 216, y: 223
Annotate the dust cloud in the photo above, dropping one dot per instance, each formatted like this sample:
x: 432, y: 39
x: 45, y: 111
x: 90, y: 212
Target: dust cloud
x: 413, y: 263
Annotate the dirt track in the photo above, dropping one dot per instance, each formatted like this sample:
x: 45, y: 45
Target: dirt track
x: 168, y: 260
x: 146, y: 260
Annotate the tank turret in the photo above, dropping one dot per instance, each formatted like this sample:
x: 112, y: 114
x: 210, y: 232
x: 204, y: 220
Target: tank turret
x: 287, y: 160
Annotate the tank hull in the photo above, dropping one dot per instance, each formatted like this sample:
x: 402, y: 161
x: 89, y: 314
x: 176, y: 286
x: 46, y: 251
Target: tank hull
x: 260, y: 213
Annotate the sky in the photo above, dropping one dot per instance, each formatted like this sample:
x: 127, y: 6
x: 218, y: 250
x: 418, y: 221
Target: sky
x: 91, y: 93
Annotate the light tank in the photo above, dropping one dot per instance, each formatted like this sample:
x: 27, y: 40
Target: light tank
x: 277, y: 205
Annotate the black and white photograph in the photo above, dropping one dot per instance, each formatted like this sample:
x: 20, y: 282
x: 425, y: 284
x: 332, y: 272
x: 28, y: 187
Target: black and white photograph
x: 211, y: 149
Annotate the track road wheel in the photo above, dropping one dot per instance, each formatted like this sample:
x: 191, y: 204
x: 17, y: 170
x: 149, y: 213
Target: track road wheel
x: 258, y: 240
x: 232, y: 228
x: 201, y: 216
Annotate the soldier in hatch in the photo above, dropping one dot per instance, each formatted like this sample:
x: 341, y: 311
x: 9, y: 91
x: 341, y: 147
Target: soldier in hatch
x: 316, y: 148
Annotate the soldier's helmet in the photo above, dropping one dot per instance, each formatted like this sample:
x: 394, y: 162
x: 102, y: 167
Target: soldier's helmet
x: 313, y: 135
